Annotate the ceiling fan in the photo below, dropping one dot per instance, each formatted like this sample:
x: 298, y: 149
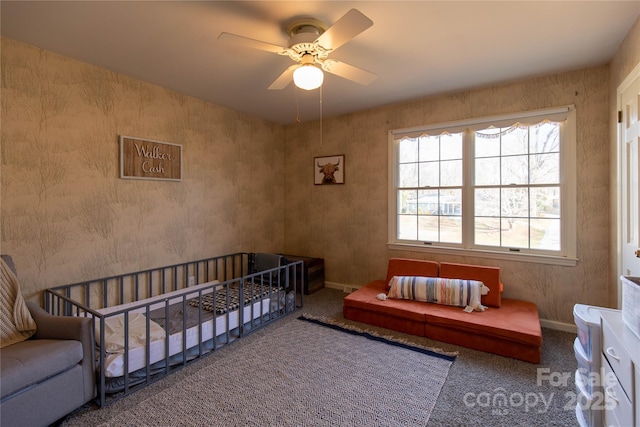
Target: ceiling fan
x: 310, y: 44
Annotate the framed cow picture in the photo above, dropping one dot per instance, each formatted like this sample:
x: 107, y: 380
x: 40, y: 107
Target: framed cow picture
x: 328, y: 170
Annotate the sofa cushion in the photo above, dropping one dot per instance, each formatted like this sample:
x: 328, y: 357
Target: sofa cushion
x: 490, y: 276
x: 363, y: 306
x: 365, y: 299
x: 410, y: 267
x: 32, y: 361
x: 516, y: 321
x: 456, y: 292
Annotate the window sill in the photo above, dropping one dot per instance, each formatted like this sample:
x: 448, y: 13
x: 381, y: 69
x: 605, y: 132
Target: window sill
x: 520, y: 257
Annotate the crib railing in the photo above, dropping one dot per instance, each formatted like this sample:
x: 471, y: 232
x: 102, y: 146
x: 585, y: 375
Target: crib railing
x: 216, y: 274
x: 131, y: 287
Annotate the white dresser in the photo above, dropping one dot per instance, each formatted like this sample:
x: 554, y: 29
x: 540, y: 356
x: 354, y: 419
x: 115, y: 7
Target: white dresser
x: 621, y: 367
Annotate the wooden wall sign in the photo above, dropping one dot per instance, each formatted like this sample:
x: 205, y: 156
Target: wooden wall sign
x: 147, y: 159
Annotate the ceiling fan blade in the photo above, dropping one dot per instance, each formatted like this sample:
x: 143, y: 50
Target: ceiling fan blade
x: 349, y: 72
x: 284, y: 79
x: 346, y: 28
x: 255, y: 44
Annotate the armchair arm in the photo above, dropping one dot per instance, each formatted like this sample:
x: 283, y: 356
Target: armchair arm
x: 69, y: 328
x: 60, y: 327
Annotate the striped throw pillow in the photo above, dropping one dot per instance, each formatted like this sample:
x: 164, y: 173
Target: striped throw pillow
x: 456, y: 292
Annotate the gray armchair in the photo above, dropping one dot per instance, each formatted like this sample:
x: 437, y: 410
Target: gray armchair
x: 52, y: 373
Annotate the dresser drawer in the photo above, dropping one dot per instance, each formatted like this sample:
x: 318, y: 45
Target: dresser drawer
x: 618, y: 410
x: 618, y: 358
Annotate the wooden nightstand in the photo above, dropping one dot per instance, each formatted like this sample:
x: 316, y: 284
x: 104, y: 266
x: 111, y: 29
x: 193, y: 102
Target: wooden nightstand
x: 313, y: 272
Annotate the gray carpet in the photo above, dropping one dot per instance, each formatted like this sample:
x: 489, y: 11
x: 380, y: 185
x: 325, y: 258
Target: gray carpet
x: 472, y: 394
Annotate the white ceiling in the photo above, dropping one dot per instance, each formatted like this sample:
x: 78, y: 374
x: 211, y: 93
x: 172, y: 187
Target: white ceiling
x: 417, y: 48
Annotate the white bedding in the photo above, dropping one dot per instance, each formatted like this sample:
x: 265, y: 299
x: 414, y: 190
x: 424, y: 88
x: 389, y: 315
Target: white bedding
x: 114, y: 360
x: 114, y: 332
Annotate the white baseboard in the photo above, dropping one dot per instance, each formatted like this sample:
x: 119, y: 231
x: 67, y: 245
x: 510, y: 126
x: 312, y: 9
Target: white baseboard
x: 341, y: 287
x: 545, y: 323
x: 559, y: 326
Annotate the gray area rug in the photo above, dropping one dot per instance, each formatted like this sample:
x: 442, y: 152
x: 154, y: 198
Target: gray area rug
x: 293, y: 373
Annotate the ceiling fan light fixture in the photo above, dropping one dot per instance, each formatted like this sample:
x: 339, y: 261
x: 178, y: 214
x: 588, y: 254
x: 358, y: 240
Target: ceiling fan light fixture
x: 308, y: 77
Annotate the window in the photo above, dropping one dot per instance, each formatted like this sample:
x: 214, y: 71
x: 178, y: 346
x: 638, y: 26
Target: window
x: 499, y: 187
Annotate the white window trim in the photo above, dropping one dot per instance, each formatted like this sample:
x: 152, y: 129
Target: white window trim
x: 568, y: 195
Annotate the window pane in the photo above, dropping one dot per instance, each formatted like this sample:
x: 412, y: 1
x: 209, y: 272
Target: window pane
x: 545, y: 138
x: 450, y: 202
x: 407, y: 227
x: 487, y: 171
x: 451, y: 173
x: 514, y: 202
x: 451, y: 229
x: 487, y: 231
x: 545, y: 202
x: 428, y: 228
x: 487, y: 143
x: 407, y: 202
x: 451, y: 146
x: 515, y: 140
x: 429, y: 148
x: 408, y: 150
x: 428, y: 202
x: 545, y: 234
x: 429, y: 174
x: 515, y: 170
x: 408, y: 175
x: 545, y: 168
x: 487, y: 202
x: 515, y: 232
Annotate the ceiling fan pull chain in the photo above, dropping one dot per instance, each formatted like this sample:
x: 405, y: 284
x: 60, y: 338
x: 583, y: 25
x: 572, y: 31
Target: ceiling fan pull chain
x: 321, y: 117
x: 295, y: 91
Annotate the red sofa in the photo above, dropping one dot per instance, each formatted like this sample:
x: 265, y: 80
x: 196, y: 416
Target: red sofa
x: 508, y: 327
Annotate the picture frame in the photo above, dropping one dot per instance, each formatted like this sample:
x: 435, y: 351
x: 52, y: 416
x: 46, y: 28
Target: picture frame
x: 329, y: 170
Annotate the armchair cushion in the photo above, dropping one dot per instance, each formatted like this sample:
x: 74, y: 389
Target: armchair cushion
x: 32, y: 361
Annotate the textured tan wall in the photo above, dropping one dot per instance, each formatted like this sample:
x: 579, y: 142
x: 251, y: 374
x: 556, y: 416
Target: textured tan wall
x: 66, y: 214
x: 347, y: 224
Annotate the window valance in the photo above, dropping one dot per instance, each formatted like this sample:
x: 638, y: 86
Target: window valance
x: 529, y: 118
